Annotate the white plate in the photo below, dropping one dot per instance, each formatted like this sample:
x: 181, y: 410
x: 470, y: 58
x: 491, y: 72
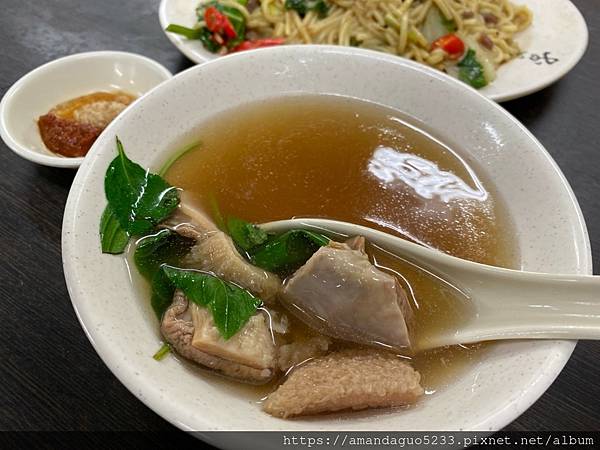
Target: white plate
x: 551, y: 46
x: 60, y: 80
x: 118, y: 320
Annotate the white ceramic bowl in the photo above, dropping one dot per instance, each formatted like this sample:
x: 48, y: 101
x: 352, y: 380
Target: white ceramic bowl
x: 552, y: 45
x: 63, y: 79
x: 492, y: 393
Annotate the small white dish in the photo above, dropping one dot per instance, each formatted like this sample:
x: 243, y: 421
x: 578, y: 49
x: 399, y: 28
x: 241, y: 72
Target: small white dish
x: 63, y: 79
x: 552, y: 45
x: 116, y: 316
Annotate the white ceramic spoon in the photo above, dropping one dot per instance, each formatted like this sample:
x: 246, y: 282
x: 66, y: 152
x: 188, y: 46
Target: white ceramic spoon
x: 508, y: 304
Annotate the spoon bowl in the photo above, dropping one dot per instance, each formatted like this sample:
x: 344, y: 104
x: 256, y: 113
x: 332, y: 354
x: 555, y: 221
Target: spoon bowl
x: 507, y: 304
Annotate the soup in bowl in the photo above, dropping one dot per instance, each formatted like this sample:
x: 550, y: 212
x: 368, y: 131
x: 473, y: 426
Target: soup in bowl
x: 324, y: 132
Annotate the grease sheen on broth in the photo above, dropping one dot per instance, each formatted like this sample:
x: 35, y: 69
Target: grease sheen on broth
x: 345, y: 159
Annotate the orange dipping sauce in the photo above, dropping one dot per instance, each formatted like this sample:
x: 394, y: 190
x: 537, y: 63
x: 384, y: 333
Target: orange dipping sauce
x: 71, y: 128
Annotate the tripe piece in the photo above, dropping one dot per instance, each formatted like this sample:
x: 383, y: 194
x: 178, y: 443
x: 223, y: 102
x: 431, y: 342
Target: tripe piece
x: 346, y: 380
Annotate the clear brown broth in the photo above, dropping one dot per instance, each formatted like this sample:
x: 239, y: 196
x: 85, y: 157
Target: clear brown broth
x: 303, y: 156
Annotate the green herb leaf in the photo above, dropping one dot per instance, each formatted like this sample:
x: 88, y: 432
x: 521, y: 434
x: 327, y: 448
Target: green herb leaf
x: 207, y: 40
x: 471, y: 70
x: 113, y: 237
x: 320, y: 7
x: 285, y: 253
x: 302, y: 7
x: 449, y: 24
x: 297, y: 5
x: 246, y: 235
x: 162, y: 293
x: 230, y: 305
x: 154, y: 250
x: 139, y: 199
x: 354, y: 42
x: 189, y: 33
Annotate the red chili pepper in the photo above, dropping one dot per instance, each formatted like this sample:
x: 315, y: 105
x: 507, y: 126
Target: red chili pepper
x: 228, y: 28
x: 258, y: 43
x: 219, y: 23
x: 213, y: 18
x: 451, y: 44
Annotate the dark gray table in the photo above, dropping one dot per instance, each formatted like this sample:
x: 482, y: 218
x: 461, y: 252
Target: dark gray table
x: 51, y: 378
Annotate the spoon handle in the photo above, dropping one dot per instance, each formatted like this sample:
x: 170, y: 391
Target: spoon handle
x: 513, y: 305
x: 507, y: 304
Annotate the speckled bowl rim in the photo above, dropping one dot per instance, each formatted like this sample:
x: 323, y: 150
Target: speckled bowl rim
x: 151, y: 398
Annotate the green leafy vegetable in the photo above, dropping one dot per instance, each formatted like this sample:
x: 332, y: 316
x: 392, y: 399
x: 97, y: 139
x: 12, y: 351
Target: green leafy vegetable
x: 162, y: 293
x: 449, y: 24
x: 162, y: 352
x: 138, y: 199
x: 189, y: 33
x: 285, y: 253
x: 154, y: 250
x: 302, y: 7
x: 471, y: 70
x: 246, y: 235
x: 230, y: 305
x: 354, y: 42
x: 207, y: 40
x: 113, y: 237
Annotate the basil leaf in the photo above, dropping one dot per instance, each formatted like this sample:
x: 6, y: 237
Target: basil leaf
x: 354, y: 42
x: 286, y: 253
x: 297, y: 5
x: 232, y: 310
x: 139, y: 199
x: 113, y: 238
x: 321, y: 8
x: 189, y: 33
x: 154, y: 250
x: 162, y: 293
x: 230, y: 305
x: 246, y: 235
x: 449, y: 24
x: 302, y: 7
x: 471, y: 70
x: 207, y: 40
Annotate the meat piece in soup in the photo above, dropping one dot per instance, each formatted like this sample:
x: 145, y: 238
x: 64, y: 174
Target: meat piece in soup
x: 251, y: 346
x: 215, y: 252
x: 249, y: 356
x: 349, y: 379
x: 341, y: 294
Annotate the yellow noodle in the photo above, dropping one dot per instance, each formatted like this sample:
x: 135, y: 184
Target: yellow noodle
x: 394, y: 26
